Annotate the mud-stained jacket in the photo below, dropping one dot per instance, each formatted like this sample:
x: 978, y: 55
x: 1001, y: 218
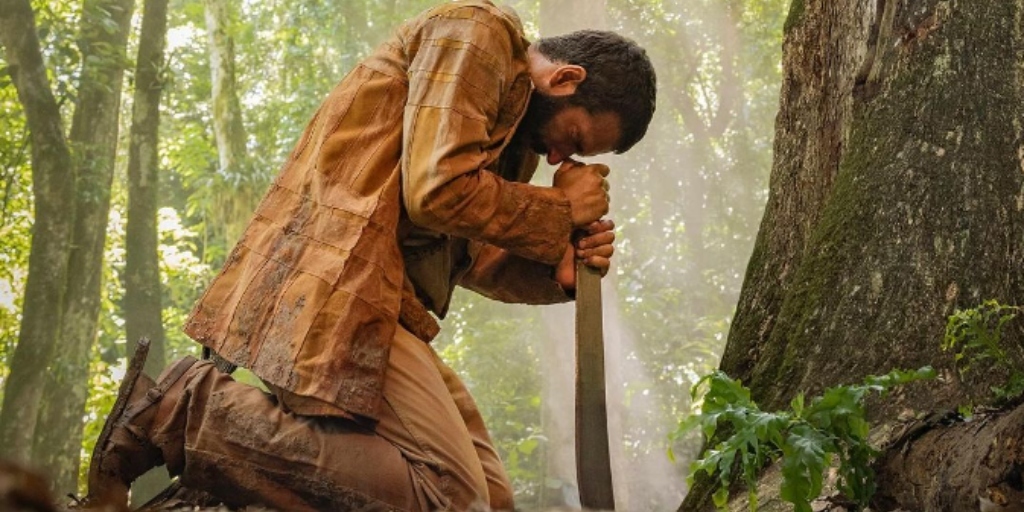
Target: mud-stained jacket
x: 401, y: 187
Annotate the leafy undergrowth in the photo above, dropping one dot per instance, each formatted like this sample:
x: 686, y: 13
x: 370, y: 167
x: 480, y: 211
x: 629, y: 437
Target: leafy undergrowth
x: 975, y: 335
x: 805, y: 438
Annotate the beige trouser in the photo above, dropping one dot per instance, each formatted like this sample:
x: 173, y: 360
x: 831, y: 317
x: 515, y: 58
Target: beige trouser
x: 429, y: 451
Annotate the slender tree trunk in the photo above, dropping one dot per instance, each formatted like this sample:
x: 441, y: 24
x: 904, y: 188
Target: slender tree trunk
x: 104, y: 35
x: 227, y: 111
x: 897, y: 197
x: 228, y: 129
x: 53, y: 187
x: 142, y: 304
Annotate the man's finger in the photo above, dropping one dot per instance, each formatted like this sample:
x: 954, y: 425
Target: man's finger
x: 600, y: 226
x: 600, y: 263
x: 602, y: 238
x: 604, y: 251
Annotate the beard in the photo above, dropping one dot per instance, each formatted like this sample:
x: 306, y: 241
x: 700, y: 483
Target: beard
x: 541, y: 109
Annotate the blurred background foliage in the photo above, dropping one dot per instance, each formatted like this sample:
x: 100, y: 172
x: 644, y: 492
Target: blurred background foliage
x: 687, y: 202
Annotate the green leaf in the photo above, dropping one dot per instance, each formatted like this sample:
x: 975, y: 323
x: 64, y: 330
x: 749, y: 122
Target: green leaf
x: 721, y: 497
x: 797, y: 404
x: 803, y: 462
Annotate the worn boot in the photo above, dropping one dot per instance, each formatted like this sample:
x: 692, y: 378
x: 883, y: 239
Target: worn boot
x: 124, y: 449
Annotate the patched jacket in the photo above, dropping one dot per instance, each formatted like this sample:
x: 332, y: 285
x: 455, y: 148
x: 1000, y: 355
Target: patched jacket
x: 400, y: 187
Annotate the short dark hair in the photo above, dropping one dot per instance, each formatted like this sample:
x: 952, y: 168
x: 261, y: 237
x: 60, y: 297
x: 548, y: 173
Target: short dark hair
x: 620, y: 78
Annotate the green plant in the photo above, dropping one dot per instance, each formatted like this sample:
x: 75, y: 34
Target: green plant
x: 976, y: 335
x: 805, y: 438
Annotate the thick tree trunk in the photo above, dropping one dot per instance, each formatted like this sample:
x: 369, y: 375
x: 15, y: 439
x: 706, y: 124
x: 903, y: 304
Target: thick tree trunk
x: 897, y: 196
x: 821, y: 56
x: 53, y: 188
x: 927, y: 211
x: 104, y: 35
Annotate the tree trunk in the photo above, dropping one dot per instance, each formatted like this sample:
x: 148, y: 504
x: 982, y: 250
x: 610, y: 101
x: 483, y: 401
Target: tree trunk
x: 53, y: 188
x: 227, y: 117
x: 227, y: 111
x: 142, y: 304
x: 897, y: 196
x: 814, y: 107
x: 104, y: 35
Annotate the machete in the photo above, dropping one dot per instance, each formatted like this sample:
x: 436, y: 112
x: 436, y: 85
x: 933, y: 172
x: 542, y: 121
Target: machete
x: 593, y: 465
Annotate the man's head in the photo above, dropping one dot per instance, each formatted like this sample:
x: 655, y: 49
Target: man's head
x: 594, y: 93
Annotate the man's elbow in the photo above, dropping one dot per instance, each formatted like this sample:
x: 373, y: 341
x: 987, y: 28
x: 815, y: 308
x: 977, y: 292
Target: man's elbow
x: 447, y: 207
x: 432, y: 211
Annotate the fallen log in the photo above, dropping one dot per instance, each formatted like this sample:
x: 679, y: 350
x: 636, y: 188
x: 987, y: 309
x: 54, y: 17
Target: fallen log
x: 956, y: 465
x: 940, y: 463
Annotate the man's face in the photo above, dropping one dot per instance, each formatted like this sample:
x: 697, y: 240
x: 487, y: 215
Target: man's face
x: 560, y: 130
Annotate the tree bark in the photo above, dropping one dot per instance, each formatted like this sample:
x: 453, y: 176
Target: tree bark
x: 897, y: 196
x: 53, y: 187
x: 227, y: 111
x: 920, y: 475
x: 104, y: 35
x: 927, y: 211
x: 143, y: 310
x: 821, y: 55
x: 234, y: 165
x: 142, y: 300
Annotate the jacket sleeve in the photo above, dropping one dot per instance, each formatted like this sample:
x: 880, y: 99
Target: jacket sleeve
x: 459, y: 80
x: 506, y: 277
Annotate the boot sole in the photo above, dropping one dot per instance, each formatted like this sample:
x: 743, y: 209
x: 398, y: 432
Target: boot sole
x: 131, y: 376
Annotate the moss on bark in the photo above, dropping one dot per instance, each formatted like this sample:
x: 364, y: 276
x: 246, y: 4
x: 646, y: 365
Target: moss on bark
x: 796, y: 12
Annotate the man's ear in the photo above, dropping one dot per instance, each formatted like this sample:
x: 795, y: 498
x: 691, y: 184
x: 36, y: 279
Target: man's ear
x: 565, y: 79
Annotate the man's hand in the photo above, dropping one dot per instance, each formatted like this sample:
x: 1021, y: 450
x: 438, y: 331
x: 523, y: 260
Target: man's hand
x: 586, y: 189
x: 594, y: 248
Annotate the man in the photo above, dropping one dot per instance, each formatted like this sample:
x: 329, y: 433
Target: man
x: 410, y: 179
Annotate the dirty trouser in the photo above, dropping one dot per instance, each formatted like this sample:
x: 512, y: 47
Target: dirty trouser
x: 429, y: 451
